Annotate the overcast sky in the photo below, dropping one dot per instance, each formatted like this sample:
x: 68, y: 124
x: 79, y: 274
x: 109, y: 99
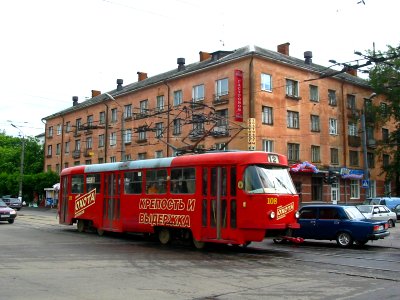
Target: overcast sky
x: 52, y: 50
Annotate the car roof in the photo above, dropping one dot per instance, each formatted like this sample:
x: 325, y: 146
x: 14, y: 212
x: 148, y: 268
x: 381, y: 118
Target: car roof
x: 325, y: 205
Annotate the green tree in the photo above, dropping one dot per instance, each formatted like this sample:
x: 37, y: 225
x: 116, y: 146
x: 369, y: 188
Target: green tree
x: 384, y: 78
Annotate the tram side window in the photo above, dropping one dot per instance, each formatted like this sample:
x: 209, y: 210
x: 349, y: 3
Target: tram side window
x: 133, y: 182
x: 93, y: 182
x: 156, y: 181
x: 183, y: 181
x: 77, y: 184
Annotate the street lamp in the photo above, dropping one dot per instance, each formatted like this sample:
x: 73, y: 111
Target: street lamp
x: 21, y: 174
x: 122, y: 127
x: 364, y: 144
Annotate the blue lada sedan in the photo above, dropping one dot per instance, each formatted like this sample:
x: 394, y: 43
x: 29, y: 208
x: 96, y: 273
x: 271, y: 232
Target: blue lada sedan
x: 345, y: 224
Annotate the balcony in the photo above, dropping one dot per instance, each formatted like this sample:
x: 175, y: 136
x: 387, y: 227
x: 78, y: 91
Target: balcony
x: 220, y: 131
x: 76, y: 154
x: 221, y: 99
x: 371, y: 143
x: 353, y: 113
x: 354, y: 141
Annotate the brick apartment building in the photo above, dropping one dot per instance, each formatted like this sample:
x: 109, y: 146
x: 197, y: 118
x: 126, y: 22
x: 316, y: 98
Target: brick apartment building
x: 247, y: 99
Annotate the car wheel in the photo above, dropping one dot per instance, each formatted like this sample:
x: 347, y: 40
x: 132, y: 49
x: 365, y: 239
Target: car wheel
x: 391, y: 223
x: 11, y: 221
x: 344, y: 239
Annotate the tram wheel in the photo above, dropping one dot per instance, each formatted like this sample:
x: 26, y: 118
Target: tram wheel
x: 164, y: 236
x: 100, y: 232
x: 81, y: 226
x: 197, y: 244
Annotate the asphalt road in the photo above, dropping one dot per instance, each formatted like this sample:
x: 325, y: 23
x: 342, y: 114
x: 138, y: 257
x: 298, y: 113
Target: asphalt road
x: 40, y: 259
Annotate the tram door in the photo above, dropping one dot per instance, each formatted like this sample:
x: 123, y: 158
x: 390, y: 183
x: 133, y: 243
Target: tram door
x: 64, y: 200
x: 112, y: 198
x: 220, y: 205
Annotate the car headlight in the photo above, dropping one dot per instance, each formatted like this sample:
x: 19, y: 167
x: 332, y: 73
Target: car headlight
x: 13, y: 212
x: 297, y: 215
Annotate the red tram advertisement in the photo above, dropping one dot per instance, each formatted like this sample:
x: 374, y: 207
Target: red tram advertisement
x: 222, y: 197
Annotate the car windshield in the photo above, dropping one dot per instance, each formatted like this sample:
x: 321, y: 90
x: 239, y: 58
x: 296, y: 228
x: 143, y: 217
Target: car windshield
x: 262, y: 179
x: 2, y: 203
x: 352, y: 213
x: 365, y: 209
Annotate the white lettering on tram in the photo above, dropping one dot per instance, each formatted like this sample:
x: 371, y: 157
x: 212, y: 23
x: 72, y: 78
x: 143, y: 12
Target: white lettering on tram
x: 166, y: 204
x: 84, y: 201
x: 164, y: 219
x: 282, y: 211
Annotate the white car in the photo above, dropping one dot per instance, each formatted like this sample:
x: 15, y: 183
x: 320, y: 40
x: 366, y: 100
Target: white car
x: 378, y: 212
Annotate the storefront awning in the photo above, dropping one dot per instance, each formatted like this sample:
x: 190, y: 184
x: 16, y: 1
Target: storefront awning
x: 305, y: 167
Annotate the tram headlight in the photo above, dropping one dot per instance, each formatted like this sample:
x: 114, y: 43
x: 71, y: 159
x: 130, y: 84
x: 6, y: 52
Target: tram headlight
x: 272, y: 214
x: 297, y: 214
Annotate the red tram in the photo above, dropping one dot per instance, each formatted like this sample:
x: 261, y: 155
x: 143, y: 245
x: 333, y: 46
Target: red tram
x: 222, y: 197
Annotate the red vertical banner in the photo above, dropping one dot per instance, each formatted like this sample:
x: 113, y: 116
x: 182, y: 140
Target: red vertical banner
x: 238, y: 81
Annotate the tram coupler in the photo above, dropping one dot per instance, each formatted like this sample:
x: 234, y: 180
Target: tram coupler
x: 295, y: 240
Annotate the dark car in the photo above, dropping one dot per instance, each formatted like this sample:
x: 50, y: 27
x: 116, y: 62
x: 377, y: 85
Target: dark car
x: 7, y: 213
x: 345, y: 224
x: 13, y: 202
x: 396, y: 209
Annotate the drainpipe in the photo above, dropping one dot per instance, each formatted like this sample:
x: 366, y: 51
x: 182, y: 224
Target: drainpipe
x: 251, y: 94
x: 168, y: 116
x: 106, y: 135
x: 344, y: 139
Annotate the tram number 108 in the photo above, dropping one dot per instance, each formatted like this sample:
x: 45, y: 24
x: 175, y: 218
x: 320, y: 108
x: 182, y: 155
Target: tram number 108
x: 272, y: 200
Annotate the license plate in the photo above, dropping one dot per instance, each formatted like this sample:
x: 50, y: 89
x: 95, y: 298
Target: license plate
x: 5, y: 216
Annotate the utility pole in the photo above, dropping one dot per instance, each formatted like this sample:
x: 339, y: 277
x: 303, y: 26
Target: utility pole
x: 21, y: 173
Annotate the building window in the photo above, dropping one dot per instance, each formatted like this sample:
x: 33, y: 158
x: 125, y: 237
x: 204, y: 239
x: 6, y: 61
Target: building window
x: 293, y: 152
x: 58, y: 168
x: 142, y: 133
x: 100, y: 160
x: 354, y: 189
x: 50, y: 132
x: 335, y: 192
x: 178, y: 98
x: 315, y: 123
x: 128, y: 111
x: 334, y: 156
x: 221, y: 87
x: 142, y: 156
x: 160, y: 103
x: 333, y: 126
x: 221, y: 146
x: 351, y: 102
x: 198, y: 93
x: 371, y: 160
x: 113, y: 138
x: 89, y: 143
x: 88, y: 162
x: 59, y: 129
x: 388, y: 188
x: 332, y: 98
x: 158, y: 154
x: 372, y: 189
x: 267, y: 115
x: 385, y: 135
x: 113, y: 115
x: 266, y: 82
x: 89, y: 121
x: 159, y: 130
x: 77, y: 145
x: 384, y: 109
x: 66, y: 165
x: 314, y: 95
x: 292, y: 119
x: 101, y: 140
x: 385, y: 160
x: 292, y: 88
x: 177, y: 126
x: 268, y: 145
x: 102, y: 117
x: 128, y: 157
x: 315, y: 154
x: 353, y: 131
x: 113, y: 159
x: 78, y: 124
x: 49, y: 150
x: 68, y: 126
x: 58, y: 149
x: 66, y: 150
x: 143, y: 106
x: 354, y: 158
x: 128, y: 136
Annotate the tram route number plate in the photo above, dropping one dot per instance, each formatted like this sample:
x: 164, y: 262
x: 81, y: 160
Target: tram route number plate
x: 273, y: 158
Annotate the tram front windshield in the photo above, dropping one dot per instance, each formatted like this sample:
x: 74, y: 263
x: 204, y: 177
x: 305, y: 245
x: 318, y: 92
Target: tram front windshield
x: 262, y: 179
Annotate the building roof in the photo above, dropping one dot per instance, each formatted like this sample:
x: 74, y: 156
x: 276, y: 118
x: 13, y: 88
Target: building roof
x: 217, y: 58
